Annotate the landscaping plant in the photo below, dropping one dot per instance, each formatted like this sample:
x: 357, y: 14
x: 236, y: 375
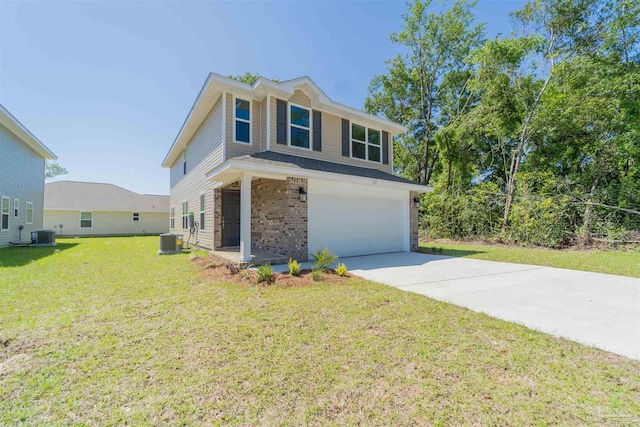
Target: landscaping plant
x: 294, y: 267
x: 323, y: 259
x: 341, y: 269
x: 316, y: 274
x: 265, y: 274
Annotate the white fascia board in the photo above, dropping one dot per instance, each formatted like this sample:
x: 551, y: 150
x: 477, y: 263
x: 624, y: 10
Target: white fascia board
x: 10, y: 122
x: 242, y: 166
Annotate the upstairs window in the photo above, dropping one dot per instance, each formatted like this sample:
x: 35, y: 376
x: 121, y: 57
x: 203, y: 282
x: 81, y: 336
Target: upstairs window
x: 136, y: 216
x: 29, y: 213
x: 86, y: 219
x: 184, y: 162
x: 365, y: 143
x: 185, y: 215
x: 202, y: 211
x: 4, y: 213
x: 172, y: 219
x: 299, y: 126
x: 242, y: 128
x: 16, y: 208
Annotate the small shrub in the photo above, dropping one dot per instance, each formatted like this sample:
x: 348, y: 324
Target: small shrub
x: 341, y: 269
x: 233, y: 268
x: 316, y: 275
x: 294, y: 267
x: 265, y: 274
x: 213, y: 263
x: 245, y: 275
x: 323, y: 259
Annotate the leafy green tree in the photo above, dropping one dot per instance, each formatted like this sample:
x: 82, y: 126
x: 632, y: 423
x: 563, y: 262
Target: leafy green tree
x: 248, y: 78
x: 53, y: 169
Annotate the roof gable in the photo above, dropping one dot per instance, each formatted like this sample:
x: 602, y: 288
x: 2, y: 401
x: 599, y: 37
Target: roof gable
x: 23, y: 134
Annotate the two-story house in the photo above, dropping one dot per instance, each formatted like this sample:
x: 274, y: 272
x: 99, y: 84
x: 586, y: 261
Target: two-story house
x: 280, y: 167
x: 22, y: 169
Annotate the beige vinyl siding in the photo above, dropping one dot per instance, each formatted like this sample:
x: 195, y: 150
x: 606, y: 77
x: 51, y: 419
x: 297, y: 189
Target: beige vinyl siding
x: 106, y: 223
x: 331, y: 139
x: 235, y: 149
x: 263, y: 125
x: 300, y: 98
x: 204, y: 152
x: 21, y: 177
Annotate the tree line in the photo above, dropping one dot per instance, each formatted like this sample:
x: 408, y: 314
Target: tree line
x: 531, y: 137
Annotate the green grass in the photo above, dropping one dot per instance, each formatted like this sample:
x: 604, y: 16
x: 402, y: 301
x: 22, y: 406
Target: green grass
x: 104, y: 331
x: 609, y: 262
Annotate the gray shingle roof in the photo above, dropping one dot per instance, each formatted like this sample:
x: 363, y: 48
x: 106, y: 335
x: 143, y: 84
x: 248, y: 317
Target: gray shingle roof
x: 94, y: 196
x: 271, y: 157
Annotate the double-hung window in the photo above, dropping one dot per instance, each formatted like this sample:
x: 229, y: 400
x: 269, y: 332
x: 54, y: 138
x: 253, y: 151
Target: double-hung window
x: 202, y: 211
x: 4, y: 213
x: 185, y: 215
x: 86, y: 219
x: 365, y: 143
x: 16, y: 208
x: 136, y: 216
x: 242, y: 127
x: 184, y: 162
x: 172, y: 219
x: 299, y: 126
x: 29, y: 213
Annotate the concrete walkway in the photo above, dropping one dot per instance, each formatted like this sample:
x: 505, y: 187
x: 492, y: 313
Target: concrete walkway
x: 600, y: 310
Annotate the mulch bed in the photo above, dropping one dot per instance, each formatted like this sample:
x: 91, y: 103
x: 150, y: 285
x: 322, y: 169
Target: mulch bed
x: 221, y: 270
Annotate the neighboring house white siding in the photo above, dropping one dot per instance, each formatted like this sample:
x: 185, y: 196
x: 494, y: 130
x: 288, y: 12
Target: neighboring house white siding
x: 203, y: 153
x: 22, y: 178
x: 106, y: 223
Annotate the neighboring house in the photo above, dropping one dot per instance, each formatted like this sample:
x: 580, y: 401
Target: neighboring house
x: 22, y: 169
x: 282, y: 168
x: 74, y: 208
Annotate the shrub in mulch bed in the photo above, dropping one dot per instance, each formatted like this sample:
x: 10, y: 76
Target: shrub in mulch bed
x: 220, y: 270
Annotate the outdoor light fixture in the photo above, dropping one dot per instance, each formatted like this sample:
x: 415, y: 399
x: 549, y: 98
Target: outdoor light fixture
x: 416, y: 202
x: 303, y: 194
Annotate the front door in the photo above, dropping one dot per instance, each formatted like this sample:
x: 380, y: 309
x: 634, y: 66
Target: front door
x: 230, y: 218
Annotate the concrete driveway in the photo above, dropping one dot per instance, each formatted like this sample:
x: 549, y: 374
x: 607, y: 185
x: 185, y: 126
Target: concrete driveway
x: 600, y: 310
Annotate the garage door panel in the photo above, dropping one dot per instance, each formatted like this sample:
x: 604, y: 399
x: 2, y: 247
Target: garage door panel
x: 351, y: 225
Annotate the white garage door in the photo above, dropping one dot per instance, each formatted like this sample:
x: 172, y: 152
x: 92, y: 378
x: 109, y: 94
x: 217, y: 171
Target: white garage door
x: 356, y: 220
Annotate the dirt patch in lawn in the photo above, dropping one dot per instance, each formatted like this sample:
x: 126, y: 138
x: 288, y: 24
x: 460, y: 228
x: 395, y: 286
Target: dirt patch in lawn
x: 220, y: 270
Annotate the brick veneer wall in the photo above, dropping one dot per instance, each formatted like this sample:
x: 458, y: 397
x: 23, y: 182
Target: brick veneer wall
x: 413, y: 222
x: 279, y: 218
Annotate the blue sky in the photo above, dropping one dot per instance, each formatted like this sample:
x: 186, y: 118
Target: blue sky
x: 107, y: 85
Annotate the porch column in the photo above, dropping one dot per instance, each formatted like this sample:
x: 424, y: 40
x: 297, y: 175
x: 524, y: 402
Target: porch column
x: 245, y: 218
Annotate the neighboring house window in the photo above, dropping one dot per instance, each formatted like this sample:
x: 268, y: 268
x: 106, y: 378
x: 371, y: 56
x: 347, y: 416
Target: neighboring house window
x: 242, y: 128
x: 184, y: 162
x: 185, y: 215
x: 365, y: 143
x: 86, y: 219
x: 202, y: 212
x: 172, y: 219
x: 29, y: 213
x: 4, y: 212
x: 16, y: 208
x: 136, y: 216
x: 299, y: 126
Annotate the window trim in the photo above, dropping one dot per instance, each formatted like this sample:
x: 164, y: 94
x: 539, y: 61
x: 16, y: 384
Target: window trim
x: 80, y: 218
x: 236, y: 118
x: 289, y: 124
x: 172, y: 217
x: 8, y: 214
x: 203, y: 209
x: 185, y: 215
x: 16, y: 208
x: 26, y: 213
x: 366, y: 143
x: 133, y: 216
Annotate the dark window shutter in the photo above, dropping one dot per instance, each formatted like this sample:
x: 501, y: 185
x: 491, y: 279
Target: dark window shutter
x: 281, y: 121
x: 317, y: 131
x: 385, y: 148
x: 345, y: 138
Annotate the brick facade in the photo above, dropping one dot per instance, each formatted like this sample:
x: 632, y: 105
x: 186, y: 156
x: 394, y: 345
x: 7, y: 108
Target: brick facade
x: 278, y: 217
x: 413, y: 222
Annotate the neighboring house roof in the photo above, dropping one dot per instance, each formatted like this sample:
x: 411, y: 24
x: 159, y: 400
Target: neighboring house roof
x: 94, y: 196
x: 216, y: 84
x: 270, y: 161
x: 11, y: 123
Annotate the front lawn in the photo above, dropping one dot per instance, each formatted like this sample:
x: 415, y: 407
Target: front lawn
x: 609, y: 262
x: 104, y: 331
